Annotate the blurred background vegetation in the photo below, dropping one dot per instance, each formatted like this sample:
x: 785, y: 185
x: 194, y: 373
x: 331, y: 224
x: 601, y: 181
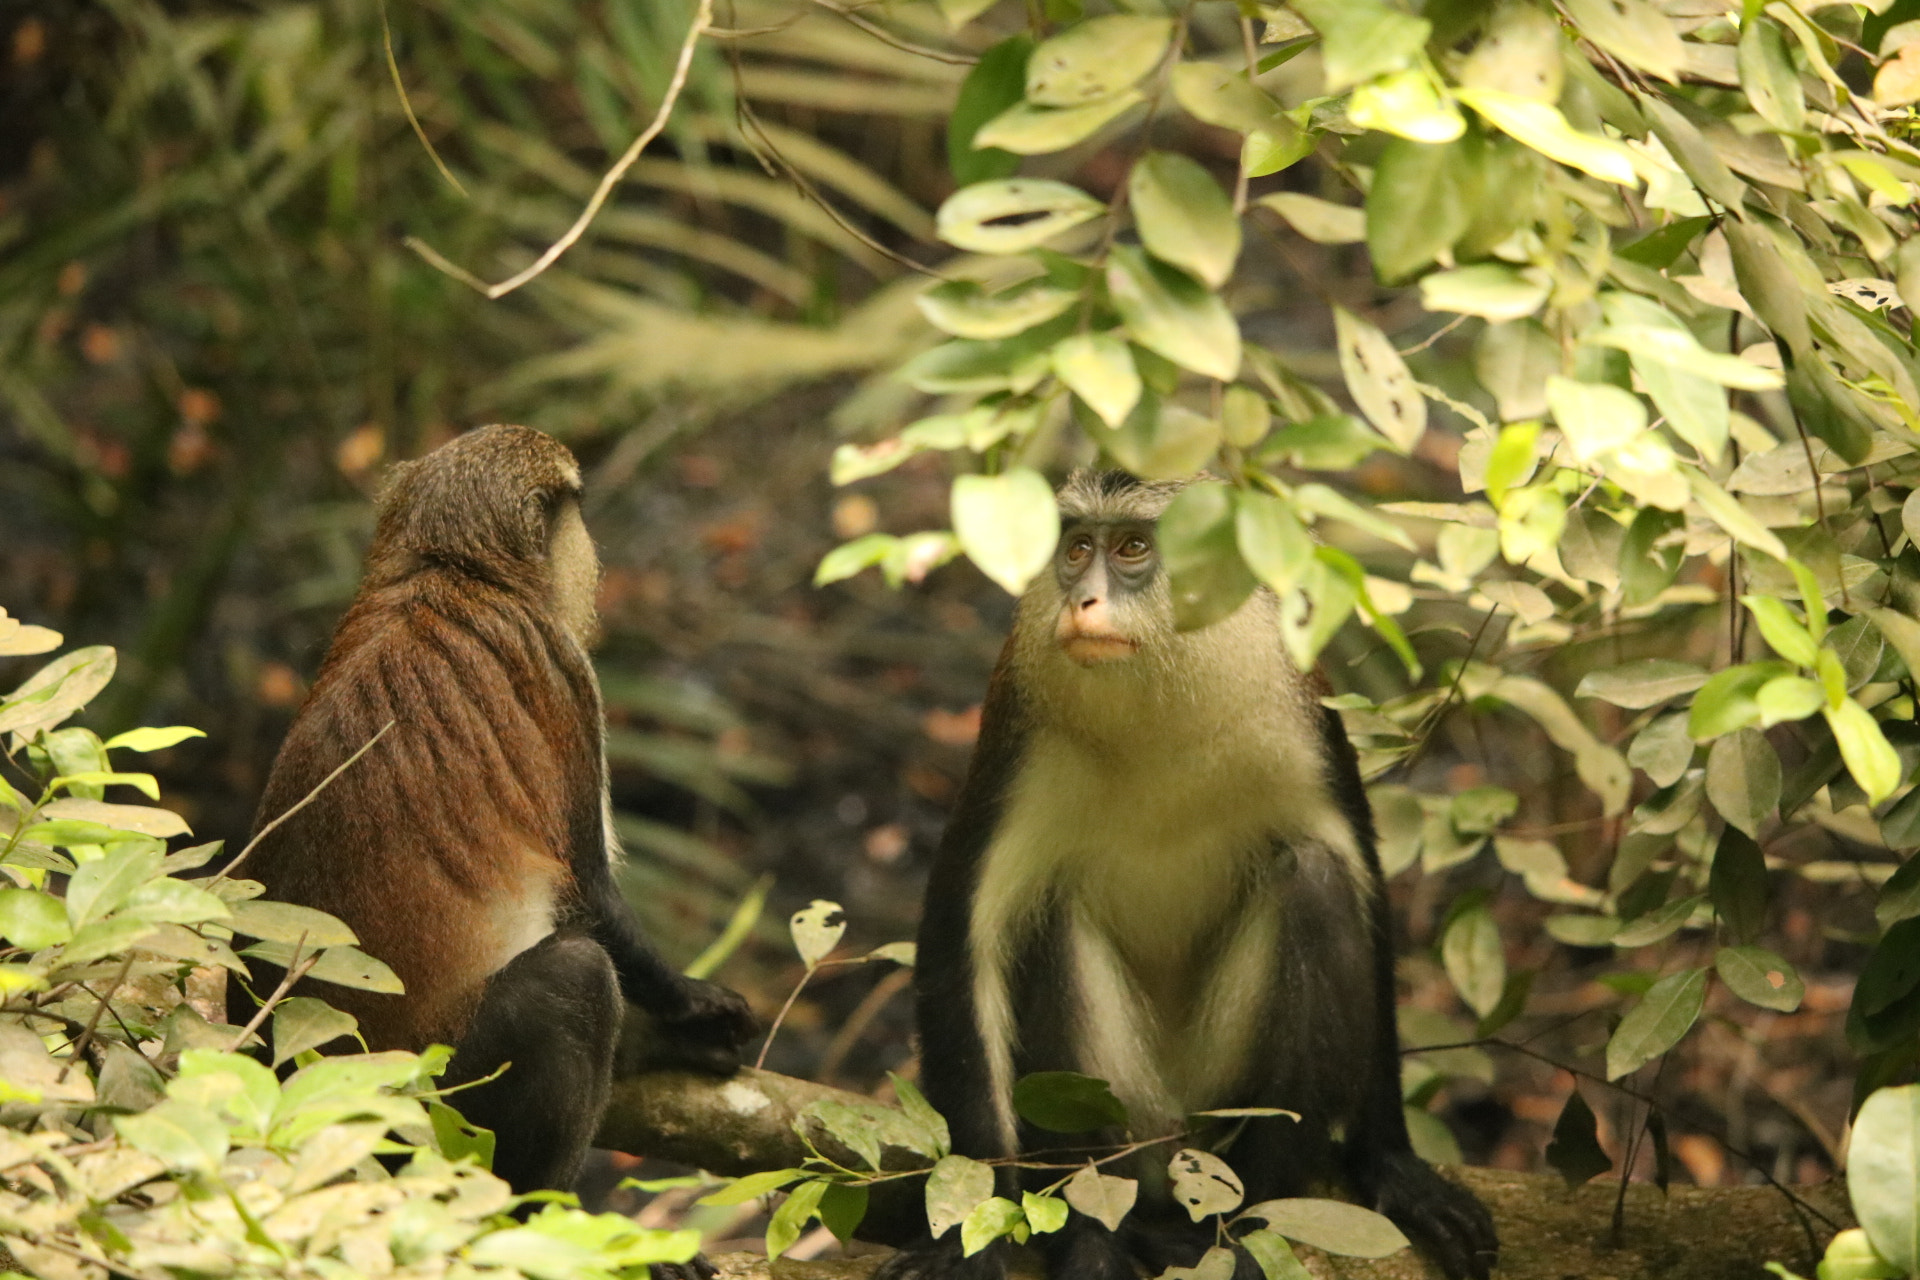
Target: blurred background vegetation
x: 213, y: 337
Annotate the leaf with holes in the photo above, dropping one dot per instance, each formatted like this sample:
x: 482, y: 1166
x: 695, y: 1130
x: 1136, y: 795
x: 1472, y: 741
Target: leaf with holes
x: 1095, y: 59
x: 1204, y: 1183
x: 955, y: 1188
x: 1379, y: 380
x: 817, y: 929
x: 1760, y: 977
x: 1013, y: 215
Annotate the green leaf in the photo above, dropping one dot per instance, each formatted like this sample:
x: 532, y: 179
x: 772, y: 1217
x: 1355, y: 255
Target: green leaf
x: 1012, y: 215
x: 1208, y: 578
x: 1768, y: 76
x: 1656, y: 1024
x: 1101, y: 1197
x: 1662, y: 922
x: 1067, y: 1102
x: 139, y: 818
x: 1726, y: 701
x: 1900, y: 895
x: 1662, y: 750
x: 1275, y: 1256
x: 32, y: 920
x: 846, y: 560
x: 1645, y: 683
x: 1787, y: 698
x: 1870, y: 758
x: 1204, y: 1184
x: 1883, y: 1174
x: 57, y: 690
x: 1098, y: 368
x: 842, y: 1209
x: 301, y: 1023
x: 1575, y: 1151
x: 1491, y: 292
x: 1361, y: 39
x: 1474, y: 960
x: 1544, y: 129
x: 1738, y: 886
x: 1160, y: 442
x: 1173, y: 314
x: 1725, y: 510
x: 1783, y: 632
x: 101, y: 887
x: 1026, y: 130
x: 1595, y: 417
x: 1480, y: 810
x: 790, y: 1219
x: 1331, y: 1225
x: 1220, y: 96
x: 1743, y: 779
x: 990, y: 1220
x: 1321, y: 221
x: 995, y: 83
x: 1044, y: 1213
x: 1634, y: 31
x: 1379, y: 380
x: 179, y: 1134
x: 1183, y: 216
x: 753, y: 1186
x: 152, y: 739
x: 1008, y: 524
x: 1760, y: 977
x: 285, y: 922
x: 1245, y: 418
x: 1421, y: 202
x: 963, y: 308
x: 1096, y: 59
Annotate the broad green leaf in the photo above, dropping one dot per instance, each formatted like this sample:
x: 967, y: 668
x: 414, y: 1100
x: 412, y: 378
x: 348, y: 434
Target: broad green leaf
x: 32, y: 920
x: 1481, y: 810
x: 1421, y: 201
x: 790, y: 1219
x: 1275, y: 1256
x: 1183, y: 216
x: 991, y: 1219
x: 1900, y: 895
x: 862, y: 553
x: 57, y: 690
x: 1768, y: 75
x: 1743, y: 779
x: 1173, y: 314
x: 1266, y: 151
x: 955, y: 1188
x: 1656, y: 1024
x: 817, y: 928
x: 152, y: 739
x: 301, y: 1023
x: 1595, y: 417
x: 1474, y: 960
x: 1361, y: 39
x: 1662, y: 750
x: 1760, y: 977
x: 1412, y: 104
x: 1101, y: 1197
x: 1725, y: 510
x: 1012, y: 215
x: 1737, y: 884
x: 1671, y: 343
x: 103, y: 886
x: 1331, y: 1225
x: 1647, y: 682
x: 1096, y: 59
x: 1321, y: 221
x: 1635, y: 31
x: 285, y: 922
x: 1320, y: 500
x: 1883, y: 1174
x: 1272, y: 541
x: 1207, y: 576
x: 1542, y: 127
x: 1494, y: 293
x: 1513, y: 362
x: 1024, y: 129
x: 1379, y: 380
x: 1662, y: 922
x: 1161, y: 442
x: 963, y: 308
x: 1575, y: 1151
x: 1726, y: 701
x: 342, y: 966
x: 1204, y: 1184
x: 1222, y: 96
x: 1099, y: 369
x: 1519, y: 53
x: 1869, y: 757
x: 1245, y: 418
x: 1044, y: 1213
x: 119, y: 817
x: 752, y: 1187
x: 170, y: 901
x: 1784, y: 632
x: 995, y: 83
x: 1008, y: 524
x: 179, y: 1134
x: 1067, y: 1102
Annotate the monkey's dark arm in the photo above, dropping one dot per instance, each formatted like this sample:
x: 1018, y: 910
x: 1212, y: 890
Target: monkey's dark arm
x: 1440, y: 1216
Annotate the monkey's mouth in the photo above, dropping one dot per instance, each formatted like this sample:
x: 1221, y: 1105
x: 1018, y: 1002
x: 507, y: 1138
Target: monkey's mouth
x: 1093, y: 650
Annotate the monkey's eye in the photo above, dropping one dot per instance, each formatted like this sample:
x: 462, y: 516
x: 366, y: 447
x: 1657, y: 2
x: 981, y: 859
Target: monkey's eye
x: 1079, y: 549
x: 1135, y: 548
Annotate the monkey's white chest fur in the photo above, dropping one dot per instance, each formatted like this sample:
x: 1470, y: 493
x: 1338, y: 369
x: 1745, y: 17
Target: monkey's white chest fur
x: 1159, y: 861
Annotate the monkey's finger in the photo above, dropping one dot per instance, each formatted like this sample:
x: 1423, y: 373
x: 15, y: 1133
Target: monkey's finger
x: 695, y: 1268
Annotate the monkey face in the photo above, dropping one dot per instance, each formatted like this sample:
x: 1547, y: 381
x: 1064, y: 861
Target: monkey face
x: 1105, y: 570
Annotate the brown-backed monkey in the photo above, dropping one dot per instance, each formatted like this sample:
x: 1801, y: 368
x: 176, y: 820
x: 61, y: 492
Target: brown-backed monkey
x: 471, y: 849
x: 1161, y: 872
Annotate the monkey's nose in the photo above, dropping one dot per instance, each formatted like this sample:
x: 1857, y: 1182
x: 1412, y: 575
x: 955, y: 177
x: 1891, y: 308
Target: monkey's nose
x: 1089, y: 603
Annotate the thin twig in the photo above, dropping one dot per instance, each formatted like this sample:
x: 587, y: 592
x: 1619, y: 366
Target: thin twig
x: 305, y: 800
x: 1253, y: 67
x: 780, y: 1017
x: 859, y: 1020
x: 611, y: 179
x: 296, y: 970
x: 406, y: 104
x: 1435, y: 336
x: 1432, y: 719
x: 86, y: 1033
x: 885, y: 36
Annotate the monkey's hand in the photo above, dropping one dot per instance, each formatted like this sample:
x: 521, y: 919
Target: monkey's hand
x: 703, y: 1028
x: 1443, y: 1219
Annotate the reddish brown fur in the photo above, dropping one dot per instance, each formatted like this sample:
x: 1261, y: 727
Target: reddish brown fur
x: 475, y: 796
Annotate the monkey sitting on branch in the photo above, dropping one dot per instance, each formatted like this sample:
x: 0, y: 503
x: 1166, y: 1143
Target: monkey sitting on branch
x: 1161, y: 872
x: 472, y: 848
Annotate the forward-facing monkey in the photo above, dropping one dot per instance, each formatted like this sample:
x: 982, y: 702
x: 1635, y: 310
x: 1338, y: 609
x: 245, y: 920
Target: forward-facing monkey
x: 1161, y: 872
x: 471, y: 848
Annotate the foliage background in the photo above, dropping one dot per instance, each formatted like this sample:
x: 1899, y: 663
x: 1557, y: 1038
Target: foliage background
x: 212, y: 335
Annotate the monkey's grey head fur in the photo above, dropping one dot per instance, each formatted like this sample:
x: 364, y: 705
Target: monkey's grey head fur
x: 486, y: 496
x: 1232, y: 666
